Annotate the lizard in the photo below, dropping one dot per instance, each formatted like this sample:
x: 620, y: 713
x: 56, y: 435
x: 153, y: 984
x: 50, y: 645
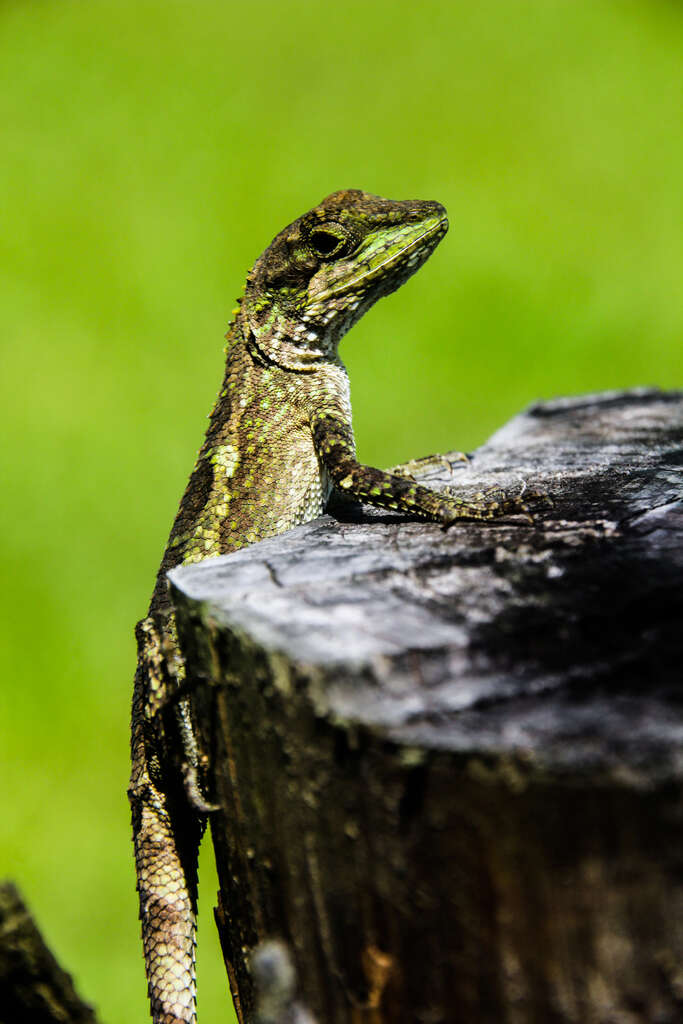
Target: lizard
x: 279, y: 440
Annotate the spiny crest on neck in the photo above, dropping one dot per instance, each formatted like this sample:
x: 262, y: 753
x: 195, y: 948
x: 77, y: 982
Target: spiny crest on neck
x: 326, y: 269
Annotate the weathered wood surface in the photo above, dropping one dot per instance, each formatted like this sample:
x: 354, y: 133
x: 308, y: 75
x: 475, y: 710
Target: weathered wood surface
x: 450, y: 762
x: 33, y: 987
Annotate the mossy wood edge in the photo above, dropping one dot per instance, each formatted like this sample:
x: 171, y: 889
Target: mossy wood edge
x: 449, y: 762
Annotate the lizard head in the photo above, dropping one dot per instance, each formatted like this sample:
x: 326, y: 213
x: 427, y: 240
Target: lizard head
x: 326, y: 269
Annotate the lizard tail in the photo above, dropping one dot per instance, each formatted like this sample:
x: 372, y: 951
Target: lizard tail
x: 167, y: 885
x: 166, y: 833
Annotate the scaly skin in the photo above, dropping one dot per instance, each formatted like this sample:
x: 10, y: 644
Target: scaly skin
x: 279, y: 439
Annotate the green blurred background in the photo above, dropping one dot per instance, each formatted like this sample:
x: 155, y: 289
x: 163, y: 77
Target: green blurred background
x: 150, y: 150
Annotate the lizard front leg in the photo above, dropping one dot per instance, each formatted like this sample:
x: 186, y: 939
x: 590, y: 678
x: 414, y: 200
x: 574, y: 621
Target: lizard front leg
x: 166, y: 835
x: 334, y: 443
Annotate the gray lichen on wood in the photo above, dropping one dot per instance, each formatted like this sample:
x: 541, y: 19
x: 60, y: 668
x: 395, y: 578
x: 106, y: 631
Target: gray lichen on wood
x: 450, y: 761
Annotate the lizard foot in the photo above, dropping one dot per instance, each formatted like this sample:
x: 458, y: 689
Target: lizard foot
x: 491, y: 504
x: 409, y: 469
x: 193, y: 791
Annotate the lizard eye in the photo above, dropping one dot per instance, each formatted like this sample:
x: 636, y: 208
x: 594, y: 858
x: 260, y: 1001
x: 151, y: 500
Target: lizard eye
x: 328, y: 240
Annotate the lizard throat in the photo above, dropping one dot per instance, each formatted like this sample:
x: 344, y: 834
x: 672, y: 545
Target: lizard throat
x: 286, y: 351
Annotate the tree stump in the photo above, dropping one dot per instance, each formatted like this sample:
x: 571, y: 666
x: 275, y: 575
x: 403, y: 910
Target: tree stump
x: 34, y: 988
x: 449, y: 762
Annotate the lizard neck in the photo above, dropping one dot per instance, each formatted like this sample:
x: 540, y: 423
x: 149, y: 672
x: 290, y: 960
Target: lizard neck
x: 257, y: 472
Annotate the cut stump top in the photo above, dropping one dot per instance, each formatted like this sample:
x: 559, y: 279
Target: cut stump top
x: 556, y: 641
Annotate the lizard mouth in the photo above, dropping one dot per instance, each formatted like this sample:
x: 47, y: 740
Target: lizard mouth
x: 386, y: 257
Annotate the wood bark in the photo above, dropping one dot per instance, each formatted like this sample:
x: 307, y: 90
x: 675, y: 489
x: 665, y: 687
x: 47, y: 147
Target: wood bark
x: 449, y: 762
x: 33, y: 987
